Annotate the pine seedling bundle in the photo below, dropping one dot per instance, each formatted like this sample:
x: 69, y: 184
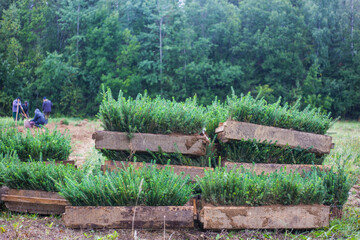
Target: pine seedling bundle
x: 253, y: 151
x: 153, y: 115
x: 5, y: 160
x: 147, y: 186
x: 146, y: 115
x: 258, y: 111
x: 36, y: 175
x: 38, y: 145
x: 240, y: 187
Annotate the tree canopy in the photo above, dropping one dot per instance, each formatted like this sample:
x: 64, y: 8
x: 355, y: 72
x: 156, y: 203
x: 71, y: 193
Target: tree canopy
x: 66, y: 49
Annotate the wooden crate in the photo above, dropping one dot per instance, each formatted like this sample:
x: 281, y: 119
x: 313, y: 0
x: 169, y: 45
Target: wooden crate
x: 269, y: 167
x: 122, y: 217
x: 265, y: 217
x: 178, y: 169
x: 34, y: 201
x: 142, y: 142
x: 234, y: 130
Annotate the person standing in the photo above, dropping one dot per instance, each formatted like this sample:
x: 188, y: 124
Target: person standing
x: 47, y: 104
x: 25, y: 107
x: 16, y: 108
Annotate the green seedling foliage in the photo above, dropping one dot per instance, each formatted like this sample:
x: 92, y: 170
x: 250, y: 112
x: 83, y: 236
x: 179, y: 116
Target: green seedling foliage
x: 161, y: 157
x: 125, y: 187
x: 36, y: 175
x: 4, y: 159
x: 337, y: 184
x: 146, y: 115
x: 253, y: 110
x: 42, y: 145
x: 244, y: 187
x: 254, y: 151
x: 216, y: 113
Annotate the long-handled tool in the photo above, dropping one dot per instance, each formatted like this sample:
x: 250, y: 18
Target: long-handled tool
x: 17, y: 113
x: 24, y: 113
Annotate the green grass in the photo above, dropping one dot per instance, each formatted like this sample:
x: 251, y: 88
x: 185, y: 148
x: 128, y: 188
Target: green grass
x: 6, y: 122
x: 346, y: 136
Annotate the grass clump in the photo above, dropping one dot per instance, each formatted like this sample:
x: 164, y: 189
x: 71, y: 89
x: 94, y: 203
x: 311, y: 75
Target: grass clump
x: 258, y: 111
x: 36, y: 175
x: 243, y: 187
x: 254, y: 151
x: 42, y: 145
x: 146, y: 115
x: 127, y: 187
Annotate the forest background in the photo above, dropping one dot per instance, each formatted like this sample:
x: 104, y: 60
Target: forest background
x: 66, y: 49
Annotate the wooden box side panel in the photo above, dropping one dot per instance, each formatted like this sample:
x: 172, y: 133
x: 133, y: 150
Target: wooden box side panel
x: 266, y: 217
x: 35, y: 193
x: 178, y: 169
x: 142, y: 142
x: 234, y: 130
x: 35, y: 208
x: 146, y: 217
x: 33, y: 201
x: 269, y: 168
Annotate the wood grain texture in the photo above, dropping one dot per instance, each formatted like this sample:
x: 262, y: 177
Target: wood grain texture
x: 265, y: 217
x: 269, y: 167
x: 142, y: 142
x: 3, y: 190
x: 186, y: 170
x: 33, y: 201
x: 234, y: 130
x: 24, y: 199
x: 146, y: 217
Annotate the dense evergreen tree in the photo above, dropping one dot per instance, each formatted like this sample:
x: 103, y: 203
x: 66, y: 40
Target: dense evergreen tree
x: 66, y: 49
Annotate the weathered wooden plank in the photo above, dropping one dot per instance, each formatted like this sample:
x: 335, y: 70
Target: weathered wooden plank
x: 146, y: 217
x: 178, y: 169
x: 3, y: 190
x: 33, y: 201
x: 141, y: 142
x: 269, y: 167
x: 234, y: 130
x: 43, y: 209
x: 24, y: 199
x: 265, y: 217
x: 35, y: 193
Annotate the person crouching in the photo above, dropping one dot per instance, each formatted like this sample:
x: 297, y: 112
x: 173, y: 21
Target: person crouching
x: 39, y: 119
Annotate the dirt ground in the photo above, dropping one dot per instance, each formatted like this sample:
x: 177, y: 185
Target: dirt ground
x: 26, y: 226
